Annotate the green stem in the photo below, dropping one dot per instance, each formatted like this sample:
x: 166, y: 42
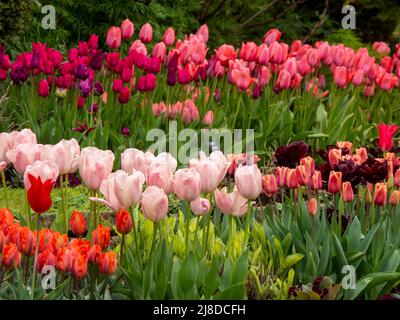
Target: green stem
x: 237, y: 110
x: 36, y: 256
x: 121, y: 258
x: 27, y: 211
x: 231, y: 234
x: 153, y: 242
x: 187, y: 227
x: 247, y: 230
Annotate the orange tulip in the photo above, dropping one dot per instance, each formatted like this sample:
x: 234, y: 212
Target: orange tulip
x: 380, y: 194
x: 77, y: 223
x: 107, y: 263
x: 101, y: 236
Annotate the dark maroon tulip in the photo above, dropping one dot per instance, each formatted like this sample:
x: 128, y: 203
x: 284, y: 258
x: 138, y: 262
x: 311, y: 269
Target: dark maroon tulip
x: 374, y: 171
x: 290, y: 155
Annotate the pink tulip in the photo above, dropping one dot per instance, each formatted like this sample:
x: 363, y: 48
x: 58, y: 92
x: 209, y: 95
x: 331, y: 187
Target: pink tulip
x: 169, y: 37
x: 160, y: 176
x: 225, y: 53
x: 248, y: 180
x: 165, y: 159
x: 203, y: 33
x: 139, y: 47
x: 208, y: 118
x: 46, y: 170
x: 113, y: 38
x: 200, y: 207
x: 65, y: 155
x: 381, y: 47
x: 241, y: 77
x: 219, y: 158
x: 23, y: 155
x: 248, y: 52
x: 230, y: 203
x: 134, y: 160
x: 209, y: 173
x: 154, y: 203
x: 3, y: 165
x: 340, y: 77
x: 95, y: 165
x: 283, y: 81
x: 23, y: 136
x: 5, y: 145
x: 146, y: 33
x: 127, y: 29
x: 271, y: 36
x: 160, y: 51
x: 263, y: 54
x: 121, y: 190
x: 43, y: 88
x: 187, y: 184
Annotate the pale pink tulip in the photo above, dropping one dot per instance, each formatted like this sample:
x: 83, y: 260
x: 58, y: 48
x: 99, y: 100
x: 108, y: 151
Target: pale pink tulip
x: 200, y: 206
x: 154, y: 203
x: 95, y: 165
x: 66, y: 155
x: 134, y: 160
x: 248, y: 180
x: 160, y: 176
x: 230, y: 203
x: 187, y: 184
x: 209, y: 173
x: 23, y: 155
x: 121, y: 190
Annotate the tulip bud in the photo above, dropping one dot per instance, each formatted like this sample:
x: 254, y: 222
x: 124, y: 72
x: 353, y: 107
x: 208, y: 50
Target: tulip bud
x: 316, y: 181
x: 101, y: 236
x: 335, y: 182
x: 368, y: 196
x: 312, y: 207
x: 397, y: 178
x: 269, y: 185
x: 154, y: 203
x: 107, y: 263
x: 200, y: 207
x: 394, y: 198
x: 77, y: 223
x: 127, y: 29
x: 380, y: 194
x: 291, y: 179
x: 43, y: 89
x: 347, y: 192
x: 124, y: 222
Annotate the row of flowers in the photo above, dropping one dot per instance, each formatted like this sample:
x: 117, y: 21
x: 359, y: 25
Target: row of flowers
x: 91, y: 71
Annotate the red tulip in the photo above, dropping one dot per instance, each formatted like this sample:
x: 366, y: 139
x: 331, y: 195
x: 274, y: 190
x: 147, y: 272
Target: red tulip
x: 101, y: 236
x: 386, y: 133
x: 124, y: 222
x: 335, y: 182
x: 39, y: 194
x: 11, y: 257
x: 77, y: 223
x: 347, y: 192
x: 124, y: 95
x: 43, y: 89
x: 107, y: 263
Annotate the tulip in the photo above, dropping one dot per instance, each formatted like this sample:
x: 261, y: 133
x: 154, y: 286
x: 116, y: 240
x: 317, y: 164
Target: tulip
x: 124, y: 95
x: 271, y: 36
x: 45, y: 258
x: 113, y: 38
x: 107, y: 263
x: 6, y: 218
x: 169, y: 37
x: 65, y: 155
x: 127, y: 29
x: 11, y: 257
x: 386, y: 133
x: 248, y: 180
x: 154, y: 203
x: 43, y: 88
x: 269, y: 185
x: 160, y: 51
x: 335, y: 182
x: 160, y: 176
x: 225, y: 53
x: 77, y: 223
x: 380, y: 194
x: 397, y: 178
x: 230, y: 203
x: 340, y: 76
x: 209, y: 173
x: 93, y: 253
x: 187, y: 184
x: 347, y: 192
x: 394, y: 198
x: 203, y: 33
x: 334, y: 156
x: 26, y: 241
x: 93, y: 41
x: 39, y: 192
x: 101, y: 236
x: 95, y: 165
x: 146, y: 33
x: 79, y: 266
x: 121, y: 190
x: 135, y: 160
x: 23, y: 155
x: 124, y: 222
x: 312, y: 207
x: 248, y: 51
x: 291, y: 179
x: 200, y: 206
x: 309, y: 165
x: 301, y: 173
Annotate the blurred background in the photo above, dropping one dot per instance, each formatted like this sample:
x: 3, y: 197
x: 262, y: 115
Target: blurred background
x: 229, y: 21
